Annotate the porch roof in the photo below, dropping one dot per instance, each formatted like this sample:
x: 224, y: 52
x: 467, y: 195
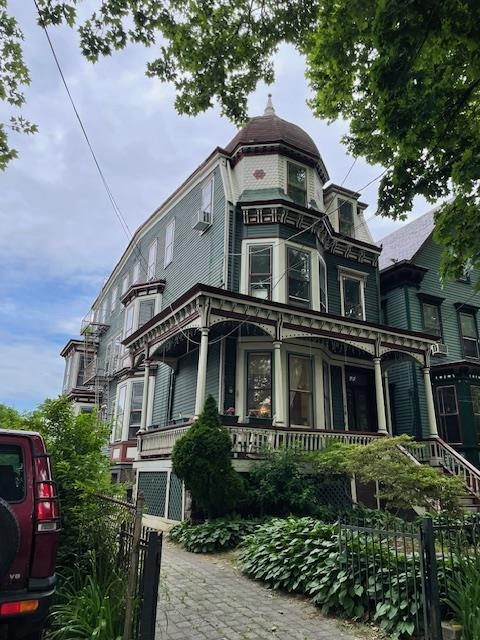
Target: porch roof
x: 205, y: 306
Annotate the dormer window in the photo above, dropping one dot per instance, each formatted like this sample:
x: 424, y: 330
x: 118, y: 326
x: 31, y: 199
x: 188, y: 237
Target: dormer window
x: 297, y: 183
x: 345, y: 218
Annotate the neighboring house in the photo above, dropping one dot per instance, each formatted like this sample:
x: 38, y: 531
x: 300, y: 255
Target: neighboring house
x: 413, y: 298
x: 259, y: 284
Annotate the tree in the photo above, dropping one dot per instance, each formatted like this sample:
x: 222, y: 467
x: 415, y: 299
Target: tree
x: 203, y: 459
x: 404, y: 73
x: 11, y: 419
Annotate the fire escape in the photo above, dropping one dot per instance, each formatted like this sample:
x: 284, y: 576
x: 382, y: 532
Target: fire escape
x: 92, y: 329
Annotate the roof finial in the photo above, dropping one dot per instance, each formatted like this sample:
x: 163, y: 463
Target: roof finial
x: 269, y: 110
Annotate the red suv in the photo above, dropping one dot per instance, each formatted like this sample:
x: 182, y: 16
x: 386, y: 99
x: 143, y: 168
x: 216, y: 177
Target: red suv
x: 29, y: 526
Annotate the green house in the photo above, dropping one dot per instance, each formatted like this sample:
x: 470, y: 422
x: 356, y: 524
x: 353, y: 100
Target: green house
x: 413, y: 298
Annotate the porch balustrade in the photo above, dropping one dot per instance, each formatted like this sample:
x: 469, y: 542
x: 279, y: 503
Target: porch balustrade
x: 249, y: 440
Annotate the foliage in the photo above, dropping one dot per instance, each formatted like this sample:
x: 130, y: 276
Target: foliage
x: 280, y: 486
x: 82, y: 470
x: 212, y: 535
x: 202, y: 459
x: 402, y: 483
x: 464, y: 595
x: 89, y: 604
x: 303, y: 555
x: 11, y: 419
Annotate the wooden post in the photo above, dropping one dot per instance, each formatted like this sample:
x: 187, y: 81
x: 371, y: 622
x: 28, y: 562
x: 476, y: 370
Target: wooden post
x: 133, y: 570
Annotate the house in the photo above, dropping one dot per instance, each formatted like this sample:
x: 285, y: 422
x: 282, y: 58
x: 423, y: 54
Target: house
x: 414, y: 298
x: 256, y: 281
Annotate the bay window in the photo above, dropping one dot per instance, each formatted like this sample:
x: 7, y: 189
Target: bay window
x: 128, y: 409
x: 259, y: 384
x: 298, y: 270
x: 297, y: 183
x: 135, y: 413
x: 323, y: 284
x: 300, y: 385
x: 260, y: 271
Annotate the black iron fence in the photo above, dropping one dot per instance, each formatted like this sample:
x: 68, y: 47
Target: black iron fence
x: 404, y: 572
x: 139, y: 551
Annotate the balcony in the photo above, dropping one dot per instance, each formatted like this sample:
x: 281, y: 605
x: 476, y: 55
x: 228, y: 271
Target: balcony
x: 249, y: 441
x: 91, y: 326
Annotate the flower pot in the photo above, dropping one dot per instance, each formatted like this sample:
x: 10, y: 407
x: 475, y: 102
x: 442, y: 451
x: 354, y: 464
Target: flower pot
x: 228, y: 419
x: 257, y: 421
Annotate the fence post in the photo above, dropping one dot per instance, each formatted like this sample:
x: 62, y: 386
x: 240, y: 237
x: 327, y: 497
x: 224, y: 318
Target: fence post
x: 430, y: 581
x: 133, y: 570
x: 151, y: 577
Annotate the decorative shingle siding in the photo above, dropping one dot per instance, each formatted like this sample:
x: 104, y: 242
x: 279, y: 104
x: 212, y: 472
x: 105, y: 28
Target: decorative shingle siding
x: 258, y: 172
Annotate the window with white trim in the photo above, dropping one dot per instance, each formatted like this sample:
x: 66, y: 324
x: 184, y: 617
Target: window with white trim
x: 135, y: 412
x: 468, y: 334
x: 207, y: 200
x: 323, y: 284
x: 352, y: 294
x: 169, y: 237
x: 128, y: 410
x: 119, y: 412
x: 114, y: 297
x: 298, y: 277
x: 259, y: 384
x: 152, y: 260
x: 448, y: 414
x: 346, y: 224
x: 297, y: 183
x: 136, y: 273
x: 260, y: 271
x: 125, y: 284
x: 146, y: 311
x: 300, y: 389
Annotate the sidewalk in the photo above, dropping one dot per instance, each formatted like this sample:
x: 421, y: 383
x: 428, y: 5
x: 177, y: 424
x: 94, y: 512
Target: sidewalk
x: 206, y: 598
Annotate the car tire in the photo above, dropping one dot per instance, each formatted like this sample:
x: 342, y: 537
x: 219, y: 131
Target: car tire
x: 10, y: 537
x: 21, y: 632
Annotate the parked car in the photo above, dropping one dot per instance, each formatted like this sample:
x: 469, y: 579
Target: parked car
x: 29, y: 530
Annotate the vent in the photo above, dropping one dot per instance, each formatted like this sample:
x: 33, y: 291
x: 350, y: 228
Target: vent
x: 439, y: 349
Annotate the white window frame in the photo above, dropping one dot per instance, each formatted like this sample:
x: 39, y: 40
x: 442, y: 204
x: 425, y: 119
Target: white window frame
x: 361, y: 278
x: 126, y: 387
x: 206, y: 197
x: 321, y: 261
x: 125, y: 282
x: 136, y: 273
x: 152, y: 260
x: 305, y: 168
x: 114, y: 298
x: 169, y: 242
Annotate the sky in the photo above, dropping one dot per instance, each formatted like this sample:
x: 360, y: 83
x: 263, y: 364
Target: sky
x: 59, y: 234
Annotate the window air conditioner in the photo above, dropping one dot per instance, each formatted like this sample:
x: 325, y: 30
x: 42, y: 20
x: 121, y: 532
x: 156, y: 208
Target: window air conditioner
x: 202, y: 220
x: 439, y: 349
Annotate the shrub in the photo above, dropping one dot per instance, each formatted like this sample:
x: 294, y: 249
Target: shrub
x: 464, y: 596
x: 202, y: 459
x: 211, y: 536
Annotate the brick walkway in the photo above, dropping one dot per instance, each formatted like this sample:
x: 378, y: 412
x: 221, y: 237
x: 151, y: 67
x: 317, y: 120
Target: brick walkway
x: 207, y: 598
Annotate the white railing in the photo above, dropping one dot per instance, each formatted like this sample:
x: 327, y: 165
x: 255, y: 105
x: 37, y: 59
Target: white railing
x: 437, y: 452
x: 252, y: 440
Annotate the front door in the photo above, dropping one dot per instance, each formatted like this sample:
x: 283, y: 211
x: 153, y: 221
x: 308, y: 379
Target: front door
x: 361, y: 400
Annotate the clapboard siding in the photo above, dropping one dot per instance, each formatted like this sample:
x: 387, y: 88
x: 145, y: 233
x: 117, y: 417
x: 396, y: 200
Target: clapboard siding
x: 338, y: 414
x: 372, y: 303
x: 161, y: 395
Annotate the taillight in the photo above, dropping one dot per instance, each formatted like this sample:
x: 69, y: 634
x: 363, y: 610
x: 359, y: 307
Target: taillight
x: 46, y: 503
x: 21, y: 606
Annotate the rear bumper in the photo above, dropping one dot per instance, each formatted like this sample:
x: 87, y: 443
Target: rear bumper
x: 35, y: 618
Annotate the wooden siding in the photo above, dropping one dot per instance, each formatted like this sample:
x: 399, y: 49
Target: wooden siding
x: 161, y: 395
x: 372, y: 301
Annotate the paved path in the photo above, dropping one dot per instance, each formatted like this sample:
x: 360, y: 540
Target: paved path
x: 207, y: 598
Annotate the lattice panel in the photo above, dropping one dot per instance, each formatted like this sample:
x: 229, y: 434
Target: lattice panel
x: 175, y: 498
x: 153, y: 484
x: 336, y: 494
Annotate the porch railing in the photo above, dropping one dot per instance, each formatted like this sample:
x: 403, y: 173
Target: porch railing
x: 436, y: 452
x: 250, y: 440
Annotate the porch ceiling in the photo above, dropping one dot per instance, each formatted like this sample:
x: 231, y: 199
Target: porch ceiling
x: 205, y: 306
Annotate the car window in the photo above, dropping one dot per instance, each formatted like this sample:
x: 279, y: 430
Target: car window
x: 12, y: 475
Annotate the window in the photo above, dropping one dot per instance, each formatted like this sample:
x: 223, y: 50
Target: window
x: 136, y: 273
x: 448, y: 414
x: 297, y: 183
x: 431, y: 318
x: 152, y: 260
x: 169, y: 234
x: 114, y: 297
x: 129, y: 321
x: 345, y: 218
x: 300, y: 390
x: 120, y: 412
x: 12, y: 473
x: 135, y: 416
x: 298, y: 265
x: 260, y: 271
x: 353, y: 304
x: 207, y: 200
x: 469, y: 335
x: 146, y: 311
x: 259, y: 384
x: 323, y: 285
x: 125, y: 284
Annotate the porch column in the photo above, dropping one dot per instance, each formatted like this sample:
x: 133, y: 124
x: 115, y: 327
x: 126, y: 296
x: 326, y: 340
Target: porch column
x: 388, y: 408
x: 432, y: 420
x: 381, y: 418
x: 278, y: 381
x: 202, y: 372
x: 146, y: 380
